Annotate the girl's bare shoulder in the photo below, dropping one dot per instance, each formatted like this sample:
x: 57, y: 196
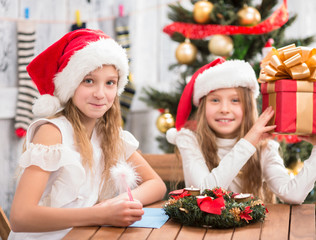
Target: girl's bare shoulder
x: 47, y: 134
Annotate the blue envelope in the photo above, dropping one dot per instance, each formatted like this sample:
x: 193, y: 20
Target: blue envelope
x: 152, y: 218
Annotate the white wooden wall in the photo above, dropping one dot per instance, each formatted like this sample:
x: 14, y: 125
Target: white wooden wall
x: 151, y: 51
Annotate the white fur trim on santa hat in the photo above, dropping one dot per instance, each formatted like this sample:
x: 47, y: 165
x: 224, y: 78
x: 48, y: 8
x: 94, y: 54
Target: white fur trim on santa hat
x: 86, y: 60
x: 46, y: 105
x: 230, y: 74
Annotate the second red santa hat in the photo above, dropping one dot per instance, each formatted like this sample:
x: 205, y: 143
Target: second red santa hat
x: 215, y: 75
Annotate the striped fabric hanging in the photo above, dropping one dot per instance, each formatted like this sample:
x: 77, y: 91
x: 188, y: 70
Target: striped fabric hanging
x: 122, y: 37
x: 27, y: 90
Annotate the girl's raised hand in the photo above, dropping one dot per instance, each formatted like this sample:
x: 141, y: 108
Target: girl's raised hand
x: 120, y: 213
x: 259, y: 130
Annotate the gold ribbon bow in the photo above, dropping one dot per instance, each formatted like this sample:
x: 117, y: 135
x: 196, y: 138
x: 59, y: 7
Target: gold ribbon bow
x: 289, y: 62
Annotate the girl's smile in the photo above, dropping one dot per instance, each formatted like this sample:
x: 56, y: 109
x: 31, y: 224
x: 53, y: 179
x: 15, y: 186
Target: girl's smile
x: 224, y: 112
x: 224, y: 120
x: 96, y: 93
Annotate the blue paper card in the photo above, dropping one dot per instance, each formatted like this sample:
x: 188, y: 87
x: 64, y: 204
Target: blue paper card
x: 152, y: 218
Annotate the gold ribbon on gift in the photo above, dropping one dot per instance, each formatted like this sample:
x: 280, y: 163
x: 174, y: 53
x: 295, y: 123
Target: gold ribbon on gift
x: 289, y: 62
x: 304, y: 105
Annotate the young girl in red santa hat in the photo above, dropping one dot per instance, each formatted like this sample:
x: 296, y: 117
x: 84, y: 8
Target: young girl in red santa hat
x: 78, y: 162
x: 230, y: 146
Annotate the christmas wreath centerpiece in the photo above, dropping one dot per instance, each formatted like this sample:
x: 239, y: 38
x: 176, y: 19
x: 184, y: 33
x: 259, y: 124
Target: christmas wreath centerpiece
x: 216, y: 208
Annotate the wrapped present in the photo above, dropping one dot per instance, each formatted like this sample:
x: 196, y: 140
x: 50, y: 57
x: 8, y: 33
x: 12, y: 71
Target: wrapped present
x: 288, y: 84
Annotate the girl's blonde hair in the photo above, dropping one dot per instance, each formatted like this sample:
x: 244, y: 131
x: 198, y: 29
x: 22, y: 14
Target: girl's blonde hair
x: 251, y: 173
x: 107, y: 129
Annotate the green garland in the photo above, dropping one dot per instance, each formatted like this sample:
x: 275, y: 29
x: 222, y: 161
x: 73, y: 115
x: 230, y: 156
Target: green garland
x: 185, y: 210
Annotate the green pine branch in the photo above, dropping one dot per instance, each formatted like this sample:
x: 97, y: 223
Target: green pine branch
x: 266, y: 7
x: 180, y: 14
x: 161, y: 100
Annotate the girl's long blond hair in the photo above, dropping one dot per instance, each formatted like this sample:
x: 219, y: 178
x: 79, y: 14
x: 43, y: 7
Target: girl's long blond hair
x: 107, y: 129
x: 251, y: 173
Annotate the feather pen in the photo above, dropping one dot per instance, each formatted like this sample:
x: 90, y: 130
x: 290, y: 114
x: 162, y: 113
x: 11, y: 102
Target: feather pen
x: 125, y: 178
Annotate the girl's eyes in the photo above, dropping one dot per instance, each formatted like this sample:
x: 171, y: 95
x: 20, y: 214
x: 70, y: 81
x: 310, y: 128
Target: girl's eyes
x: 111, y: 82
x: 234, y: 100
x: 91, y: 81
x: 88, y: 80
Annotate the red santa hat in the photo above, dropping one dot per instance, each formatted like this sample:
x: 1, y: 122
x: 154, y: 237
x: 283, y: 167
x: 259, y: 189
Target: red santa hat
x: 215, y: 75
x: 59, y: 69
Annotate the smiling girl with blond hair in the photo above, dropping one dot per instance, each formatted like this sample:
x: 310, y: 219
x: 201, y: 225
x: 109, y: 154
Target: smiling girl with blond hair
x: 231, y: 146
x: 79, y: 163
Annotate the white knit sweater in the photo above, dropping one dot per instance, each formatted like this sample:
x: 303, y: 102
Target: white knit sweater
x: 233, y: 156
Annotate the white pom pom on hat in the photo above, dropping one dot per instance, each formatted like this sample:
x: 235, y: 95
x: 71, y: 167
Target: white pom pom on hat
x: 212, y: 76
x: 46, y: 104
x: 59, y: 69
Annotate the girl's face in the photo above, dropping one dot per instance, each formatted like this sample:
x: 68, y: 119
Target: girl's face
x: 96, y: 93
x: 224, y: 112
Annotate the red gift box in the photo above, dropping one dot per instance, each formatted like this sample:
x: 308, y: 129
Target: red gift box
x: 294, y: 104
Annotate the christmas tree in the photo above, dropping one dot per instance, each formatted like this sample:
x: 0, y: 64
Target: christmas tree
x: 234, y: 30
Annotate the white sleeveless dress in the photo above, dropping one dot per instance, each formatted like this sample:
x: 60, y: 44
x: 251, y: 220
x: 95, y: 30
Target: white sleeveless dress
x: 70, y: 184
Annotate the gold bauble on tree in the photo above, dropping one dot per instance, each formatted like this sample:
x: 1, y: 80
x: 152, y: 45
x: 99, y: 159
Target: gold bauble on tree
x: 248, y: 16
x: 186, y: 52
x: 221, y: 45
x: 295, y: 168
x: 165, y: 121
x: 202, y: 10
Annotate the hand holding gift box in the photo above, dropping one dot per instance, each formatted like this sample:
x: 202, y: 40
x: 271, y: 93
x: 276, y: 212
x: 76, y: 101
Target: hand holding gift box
x: 288, y: 78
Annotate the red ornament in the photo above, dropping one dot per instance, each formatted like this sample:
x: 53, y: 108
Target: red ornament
x: 161, y: 110
x: 287, y: 138
x: 269, y: 43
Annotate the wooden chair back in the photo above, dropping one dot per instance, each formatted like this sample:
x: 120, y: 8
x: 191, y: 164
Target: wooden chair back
x: 4, y: 225
x: 168, y: 167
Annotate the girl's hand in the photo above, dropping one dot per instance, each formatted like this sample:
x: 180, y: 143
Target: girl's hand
x: 259, y: 130
x: 310, y: 138
x: 121, y: 213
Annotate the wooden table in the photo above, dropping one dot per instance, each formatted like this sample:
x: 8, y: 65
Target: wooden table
x: 282, y: 222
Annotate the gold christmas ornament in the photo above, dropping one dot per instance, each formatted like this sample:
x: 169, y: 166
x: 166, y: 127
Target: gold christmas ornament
x: 295, y: 168
x: 165, y: 121
x: 248, y: 16
x: 202, y: 10
x: 221, y: 45
x: 290, y: 171
x: 186, y: 52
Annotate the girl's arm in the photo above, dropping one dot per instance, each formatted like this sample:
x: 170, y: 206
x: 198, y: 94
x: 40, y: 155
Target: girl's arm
x: 290, y: 190
x: 27, y: 216
x: 196, y: 172
x: 152, y: 188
